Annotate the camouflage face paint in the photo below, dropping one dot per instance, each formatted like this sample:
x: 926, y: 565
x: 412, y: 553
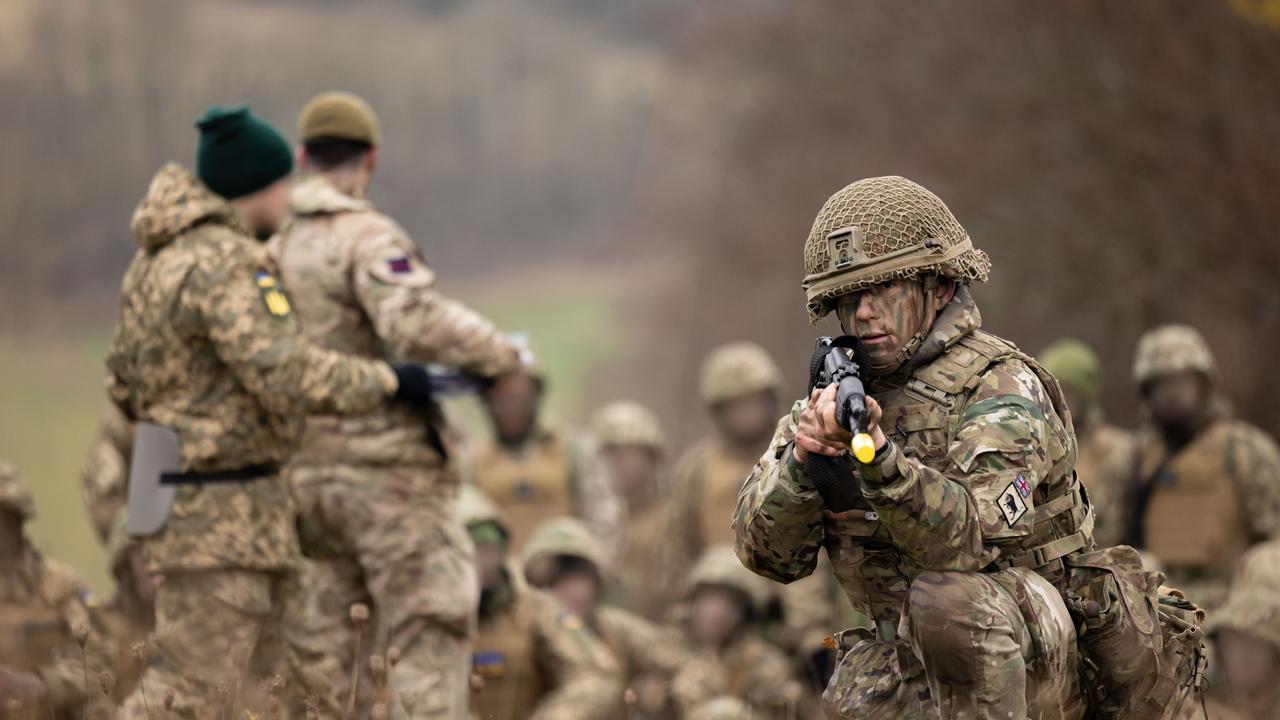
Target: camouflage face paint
x: 885, y: 317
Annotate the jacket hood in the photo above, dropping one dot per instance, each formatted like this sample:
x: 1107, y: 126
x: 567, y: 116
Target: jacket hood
x: 175, y: 202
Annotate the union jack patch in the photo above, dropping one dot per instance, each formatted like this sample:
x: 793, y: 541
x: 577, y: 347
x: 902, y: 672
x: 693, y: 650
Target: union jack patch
x: 1024, y: 487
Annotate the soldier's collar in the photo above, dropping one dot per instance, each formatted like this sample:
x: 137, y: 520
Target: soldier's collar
x: 321, y: 194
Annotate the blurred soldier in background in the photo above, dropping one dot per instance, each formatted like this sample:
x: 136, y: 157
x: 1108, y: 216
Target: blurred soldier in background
x: 634, y: 447
x: 104, y: 479
x: 1104, y: 452
x: 115, y: 630
x: 731, y: 658
x: 376, y: 493
x: 535, y: 472
x: 1207, y: 486
x: 1246, y: 634
x: 207, y: 345
x: 741, y: 389
x: 41, y: 603
x: 533, y: 659
x: 563, y: 557
x: 970, y: 501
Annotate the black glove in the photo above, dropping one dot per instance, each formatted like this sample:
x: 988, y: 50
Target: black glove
x: 414, y: 384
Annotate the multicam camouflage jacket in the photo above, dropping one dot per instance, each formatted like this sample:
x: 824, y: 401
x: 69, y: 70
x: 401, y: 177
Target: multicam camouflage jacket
x: 359, y: 285
x: 977, y: 475
x: 207, y: 345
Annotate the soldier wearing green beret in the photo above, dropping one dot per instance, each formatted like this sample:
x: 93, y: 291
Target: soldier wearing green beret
x: 376, y: 495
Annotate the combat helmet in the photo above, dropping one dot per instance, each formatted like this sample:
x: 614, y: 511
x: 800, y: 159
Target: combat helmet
x: 559, y: 537
x: 13, y: 492
x: 628, y: 423
x: 720, y: 567
x: 738, y: 369
x: 1253, y: 607
x: 1172, y: 348
x: 1075, y: 366
x: 881, y: 229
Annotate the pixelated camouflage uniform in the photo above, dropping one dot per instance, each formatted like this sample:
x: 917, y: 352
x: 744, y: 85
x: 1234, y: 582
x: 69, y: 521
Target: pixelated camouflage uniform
x: 376, y: 493
x: 638, y: 574
x: 748, y: 667
x: 966, y: 513
x: 532, y: 658
x: 104, y: 478
x: 41, y: 602
x: 1104, y: 452
x: 1197, y: 508
x: 555, y: 472
x: 648, y: 655
x: 1252, y: 608
x: 206, y: 346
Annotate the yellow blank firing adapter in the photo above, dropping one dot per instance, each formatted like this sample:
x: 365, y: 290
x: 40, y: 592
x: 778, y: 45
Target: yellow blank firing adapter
x: 863, y: 448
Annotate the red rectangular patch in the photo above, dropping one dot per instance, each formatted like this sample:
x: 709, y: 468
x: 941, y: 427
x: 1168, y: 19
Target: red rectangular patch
x: 400, y: 265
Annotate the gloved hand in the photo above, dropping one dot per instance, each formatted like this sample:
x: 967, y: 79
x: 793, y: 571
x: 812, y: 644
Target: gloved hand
x: 414, y: 384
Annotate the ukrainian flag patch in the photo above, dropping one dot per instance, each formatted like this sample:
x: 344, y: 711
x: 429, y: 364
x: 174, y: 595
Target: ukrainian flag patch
x: 273, y: 294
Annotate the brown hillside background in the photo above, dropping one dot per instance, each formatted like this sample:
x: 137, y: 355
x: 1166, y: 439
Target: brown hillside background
x: 639, y: 177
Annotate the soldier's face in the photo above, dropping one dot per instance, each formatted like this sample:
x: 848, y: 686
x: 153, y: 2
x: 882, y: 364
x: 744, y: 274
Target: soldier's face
x: 491, y: 558
x: 714, y: 615
x: 265, y: 211
x: 1177, y: 398
x: 634, y: 467
x: 747, y: 419
x: 513, y: 405
x: 577, y: 592
x: 10, y: 532
x: 886, y: 316
x: 1249, y: 663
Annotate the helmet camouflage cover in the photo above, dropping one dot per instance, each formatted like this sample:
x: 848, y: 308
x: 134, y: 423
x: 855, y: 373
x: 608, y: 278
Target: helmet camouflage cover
x: 1169, y: 349
x: 738, y: 369
x: 13, y: 492
x: 881, y: 229
x: 474, y: 507
x: 559, y: 537
x: 628, y: 423
x: 1076, y: 366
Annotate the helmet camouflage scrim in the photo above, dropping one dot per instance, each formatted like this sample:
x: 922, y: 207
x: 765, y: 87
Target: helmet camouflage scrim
x: 720, y: 567
x: 628, y: 423
x: 1169, y: 349
x: 881, y: 229
x: 738, y: 369
x: 13, y: 492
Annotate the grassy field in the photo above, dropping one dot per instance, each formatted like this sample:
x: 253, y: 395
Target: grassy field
x: 51, y: 396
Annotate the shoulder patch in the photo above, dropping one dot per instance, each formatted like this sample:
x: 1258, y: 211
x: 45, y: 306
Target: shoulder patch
x: 489, y: 664
x: 1011, y: 502
x: 570, y: 622
x: 273, y: 295
x: 400, y: 265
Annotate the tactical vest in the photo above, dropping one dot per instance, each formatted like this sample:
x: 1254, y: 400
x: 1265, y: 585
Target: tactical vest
x: 721, y: 478
x: 30, y: 635
x: 506, y: 661
x: 535, y: 486
x: 922, y: 417
x: 1194, y: 516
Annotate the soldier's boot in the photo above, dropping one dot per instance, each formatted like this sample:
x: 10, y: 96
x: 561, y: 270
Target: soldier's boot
x: 208, y: 627
x: 994, y: 645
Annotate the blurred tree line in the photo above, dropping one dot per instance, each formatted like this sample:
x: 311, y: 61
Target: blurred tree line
x: 1117, y: 160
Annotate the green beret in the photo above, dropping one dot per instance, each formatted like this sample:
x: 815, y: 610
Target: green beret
x: 1076, y: 367
x: 339, y: 115
x: 240, y: 153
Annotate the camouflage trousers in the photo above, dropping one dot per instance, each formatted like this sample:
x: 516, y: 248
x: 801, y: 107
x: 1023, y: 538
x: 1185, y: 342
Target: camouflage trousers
x: 389, y: 539
x: 970, y: 645
x: 216, y: 636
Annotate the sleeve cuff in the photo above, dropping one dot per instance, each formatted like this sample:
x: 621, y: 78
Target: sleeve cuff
x: 883, y: 468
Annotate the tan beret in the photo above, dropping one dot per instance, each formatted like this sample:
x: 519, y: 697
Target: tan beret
x: 339, y: 115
